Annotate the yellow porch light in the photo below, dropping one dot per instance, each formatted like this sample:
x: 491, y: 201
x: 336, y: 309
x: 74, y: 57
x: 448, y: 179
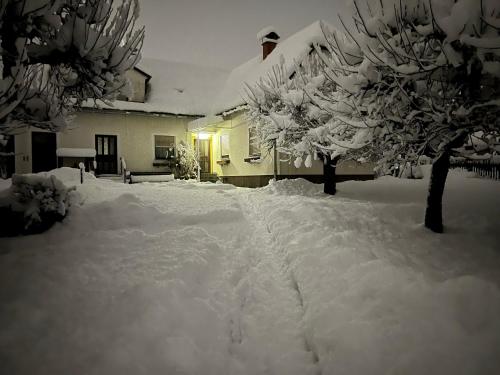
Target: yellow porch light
x: 203, y: 136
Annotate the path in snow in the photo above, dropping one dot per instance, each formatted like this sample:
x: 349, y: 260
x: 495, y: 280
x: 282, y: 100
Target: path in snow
x: 380, y: 293
x: 148, y: 279
x: 185, y: 278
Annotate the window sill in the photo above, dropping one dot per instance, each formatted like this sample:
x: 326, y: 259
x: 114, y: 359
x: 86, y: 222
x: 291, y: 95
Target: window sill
x: 162, y: 163
x: 253, y: 159
x: 223, y: 161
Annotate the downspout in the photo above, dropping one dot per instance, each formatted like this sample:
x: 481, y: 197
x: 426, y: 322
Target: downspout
x: 198, y: 155
x: 275, y: 161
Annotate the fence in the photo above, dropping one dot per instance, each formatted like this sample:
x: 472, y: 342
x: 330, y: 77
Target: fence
x: 483, y: 168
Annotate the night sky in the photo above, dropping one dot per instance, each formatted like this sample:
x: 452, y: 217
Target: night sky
x: 223, y: 32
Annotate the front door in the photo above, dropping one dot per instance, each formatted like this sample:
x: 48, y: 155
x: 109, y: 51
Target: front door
x: 43, y: 151
x: 7, y: 158
x: 204, y: 160
x: 106, y: 154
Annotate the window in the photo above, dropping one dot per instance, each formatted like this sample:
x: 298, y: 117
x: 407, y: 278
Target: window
x: 224, y: 146
x: 164, y: 147
x: 253, y: 142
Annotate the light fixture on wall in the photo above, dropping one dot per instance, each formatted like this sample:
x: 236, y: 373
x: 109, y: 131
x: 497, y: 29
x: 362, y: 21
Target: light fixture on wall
x: 203, y: 136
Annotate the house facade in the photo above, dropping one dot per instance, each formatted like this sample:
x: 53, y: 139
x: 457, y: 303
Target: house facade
x: 171, y: 103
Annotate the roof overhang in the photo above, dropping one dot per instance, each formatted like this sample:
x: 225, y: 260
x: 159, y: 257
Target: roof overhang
x: 143, y: 72
x: 209, y: 124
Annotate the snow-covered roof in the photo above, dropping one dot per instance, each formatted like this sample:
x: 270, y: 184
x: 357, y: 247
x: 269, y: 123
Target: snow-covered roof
x: 291, y: 50
x: 187, y: 89
x: 176, y: 88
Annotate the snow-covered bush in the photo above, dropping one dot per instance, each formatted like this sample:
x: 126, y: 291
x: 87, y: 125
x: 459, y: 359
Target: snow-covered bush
x: 54, y: 55
x: 34, y: 203
x: 187, y: 162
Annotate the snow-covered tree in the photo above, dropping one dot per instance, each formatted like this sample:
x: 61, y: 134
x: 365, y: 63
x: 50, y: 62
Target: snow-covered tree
x: 412, y: 78
x: 427, y: 75
x: 55, y: 54
x: 301, y: 116
x: 187, y: 161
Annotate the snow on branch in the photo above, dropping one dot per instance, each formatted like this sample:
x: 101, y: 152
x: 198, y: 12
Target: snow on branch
x: 56, y: 54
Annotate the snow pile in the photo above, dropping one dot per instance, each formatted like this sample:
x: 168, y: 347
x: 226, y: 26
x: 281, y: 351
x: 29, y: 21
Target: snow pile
x: 154, y: 280
x: 151, y: 178
x: 69, y: 176
x: 193, y: 278
x: 297, y: 186
x: 380, y: 293
x: 5, y: 183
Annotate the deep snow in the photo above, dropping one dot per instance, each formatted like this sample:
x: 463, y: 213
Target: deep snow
x: 199, y: 278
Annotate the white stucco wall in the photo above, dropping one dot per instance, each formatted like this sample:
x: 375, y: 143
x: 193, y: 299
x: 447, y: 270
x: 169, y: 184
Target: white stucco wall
x: 23, y: 149
x: 135, y: 142
x: 135, y: 134
x: 237, y: 129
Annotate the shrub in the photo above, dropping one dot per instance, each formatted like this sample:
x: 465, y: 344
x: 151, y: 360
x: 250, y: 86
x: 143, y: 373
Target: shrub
x: 33, y: 204
x: 187, y: 161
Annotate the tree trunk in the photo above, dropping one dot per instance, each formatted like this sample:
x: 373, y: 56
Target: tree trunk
x: 329, y: 167
x: 434, y: 210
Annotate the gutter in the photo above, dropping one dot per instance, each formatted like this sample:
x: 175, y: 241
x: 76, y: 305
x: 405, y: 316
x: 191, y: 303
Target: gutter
x: 137, y: 112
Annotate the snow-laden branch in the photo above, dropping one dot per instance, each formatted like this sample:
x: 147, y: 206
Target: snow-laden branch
x: 79, y: 50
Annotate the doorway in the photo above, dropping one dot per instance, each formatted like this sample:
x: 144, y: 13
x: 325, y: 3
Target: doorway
x: 7, y: 158
x: 106, y: 154
x: 43, y: 151
x: 205, y: 151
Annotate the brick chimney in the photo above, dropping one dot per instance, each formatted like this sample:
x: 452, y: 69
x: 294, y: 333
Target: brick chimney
x: 268, y: 38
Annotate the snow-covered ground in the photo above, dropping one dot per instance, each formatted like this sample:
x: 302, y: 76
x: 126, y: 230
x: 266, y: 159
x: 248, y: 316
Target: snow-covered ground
x: 195, y: 278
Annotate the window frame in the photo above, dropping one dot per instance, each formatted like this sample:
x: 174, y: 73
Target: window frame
x: 221, y: 144
x: 253, y: 145
x: 171, y: 156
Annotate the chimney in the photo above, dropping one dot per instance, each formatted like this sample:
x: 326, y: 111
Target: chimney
x: 268, y: 38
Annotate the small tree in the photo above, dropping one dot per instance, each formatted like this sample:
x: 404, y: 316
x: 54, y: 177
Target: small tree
x: 56, y: 54
x: 300, y: 116
x: 187, y: 162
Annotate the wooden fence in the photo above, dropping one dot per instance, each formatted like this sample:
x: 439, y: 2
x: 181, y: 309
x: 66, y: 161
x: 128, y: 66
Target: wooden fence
x: 483, y: 168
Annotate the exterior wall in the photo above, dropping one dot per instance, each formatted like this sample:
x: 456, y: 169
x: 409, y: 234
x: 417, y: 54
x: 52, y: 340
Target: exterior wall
x: 135, y: 135
x: 135, y: 142
x: 23, y: 152
x: 138, y: 86
x: 237, y: 129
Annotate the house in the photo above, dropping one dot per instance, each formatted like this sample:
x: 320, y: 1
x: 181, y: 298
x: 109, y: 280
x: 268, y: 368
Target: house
x: 172, y: 102
x: 236, y: 157
x: 142, y: 127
